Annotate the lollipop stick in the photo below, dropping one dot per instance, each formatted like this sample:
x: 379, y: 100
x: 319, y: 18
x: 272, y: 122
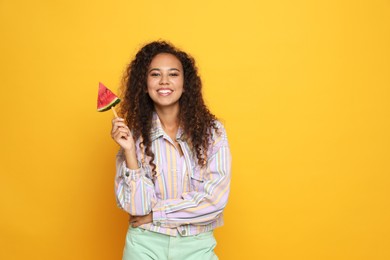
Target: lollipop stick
x: 113, y: 110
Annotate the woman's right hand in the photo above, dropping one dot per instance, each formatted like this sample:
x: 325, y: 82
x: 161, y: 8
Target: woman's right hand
x: 122, y: 135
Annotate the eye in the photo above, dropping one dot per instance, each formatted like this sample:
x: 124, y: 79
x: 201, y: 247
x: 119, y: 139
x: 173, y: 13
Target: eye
x: 174, y: 74
x: 154, y: 74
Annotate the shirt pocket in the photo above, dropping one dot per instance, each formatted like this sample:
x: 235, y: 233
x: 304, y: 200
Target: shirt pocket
x: 196, y: 180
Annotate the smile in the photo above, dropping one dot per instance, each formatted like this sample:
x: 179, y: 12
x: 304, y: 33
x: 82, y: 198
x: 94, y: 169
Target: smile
x: 164, y: 91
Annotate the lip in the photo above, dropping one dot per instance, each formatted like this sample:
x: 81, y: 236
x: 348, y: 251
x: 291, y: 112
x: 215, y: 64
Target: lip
x: 164, y: 91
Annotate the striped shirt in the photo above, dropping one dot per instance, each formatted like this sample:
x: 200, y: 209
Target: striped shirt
x: 183, y: 196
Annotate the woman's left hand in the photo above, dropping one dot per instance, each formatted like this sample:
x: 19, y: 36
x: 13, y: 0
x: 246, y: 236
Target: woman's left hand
x: 137, y: 221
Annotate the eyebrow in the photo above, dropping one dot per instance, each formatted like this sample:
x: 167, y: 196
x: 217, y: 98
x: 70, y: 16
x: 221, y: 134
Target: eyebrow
x: 159, y: 69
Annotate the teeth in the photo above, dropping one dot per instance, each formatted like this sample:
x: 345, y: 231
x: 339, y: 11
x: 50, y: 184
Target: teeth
x: 165, y: 91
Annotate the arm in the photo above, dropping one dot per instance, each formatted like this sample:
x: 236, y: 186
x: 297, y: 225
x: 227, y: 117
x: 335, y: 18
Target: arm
x: 203, y: 206
x: 132, y: 187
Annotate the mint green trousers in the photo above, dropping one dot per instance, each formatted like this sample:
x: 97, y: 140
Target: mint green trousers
x: 142, y: 244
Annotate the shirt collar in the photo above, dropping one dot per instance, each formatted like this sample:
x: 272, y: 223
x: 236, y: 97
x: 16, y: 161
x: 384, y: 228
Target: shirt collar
x: 157, y: 131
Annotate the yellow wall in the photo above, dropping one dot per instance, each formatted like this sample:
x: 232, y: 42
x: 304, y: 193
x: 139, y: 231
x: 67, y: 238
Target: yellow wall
x: 303, y: 89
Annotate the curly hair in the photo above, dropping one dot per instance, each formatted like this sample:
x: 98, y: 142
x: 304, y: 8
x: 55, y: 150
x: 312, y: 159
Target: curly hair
x: 137, y: 107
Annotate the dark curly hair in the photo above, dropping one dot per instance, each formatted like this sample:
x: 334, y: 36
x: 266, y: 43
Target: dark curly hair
x: 137, y: 107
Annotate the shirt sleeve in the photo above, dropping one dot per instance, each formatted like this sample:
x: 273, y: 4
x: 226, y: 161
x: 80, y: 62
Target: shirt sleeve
x: 205, y: 205
x: 134, y: 189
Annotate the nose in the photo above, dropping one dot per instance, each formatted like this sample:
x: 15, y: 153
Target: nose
x: 164, y: 80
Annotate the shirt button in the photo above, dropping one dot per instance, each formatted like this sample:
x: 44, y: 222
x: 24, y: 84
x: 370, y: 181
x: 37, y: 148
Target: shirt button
x: 183, y: 232
x: 158, y: 224
x: 127, y: 174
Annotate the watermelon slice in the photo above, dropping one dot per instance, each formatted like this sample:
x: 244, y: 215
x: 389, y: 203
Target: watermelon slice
x: 106, y: 99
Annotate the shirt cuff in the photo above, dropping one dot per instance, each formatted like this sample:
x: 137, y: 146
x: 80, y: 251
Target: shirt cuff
x: 129, y: 174
x: 159, y: 215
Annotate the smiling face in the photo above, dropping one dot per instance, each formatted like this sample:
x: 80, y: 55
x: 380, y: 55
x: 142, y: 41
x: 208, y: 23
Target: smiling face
x: 165, y: 80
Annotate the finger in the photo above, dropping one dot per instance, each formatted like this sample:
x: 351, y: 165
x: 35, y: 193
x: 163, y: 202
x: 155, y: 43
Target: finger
x: 117, y: 119
x: 134, y: 221
x: 136, y: 224
x: 115, y: 135
x: 121, y: 130
x: 119, y: 125
x: 122, y: 124
x: 121, y: 133
x: 115, y: 128
x: 120, y: 136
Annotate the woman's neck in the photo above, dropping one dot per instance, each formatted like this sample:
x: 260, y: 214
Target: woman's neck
x: 169, y: 118
x: 170, y: 123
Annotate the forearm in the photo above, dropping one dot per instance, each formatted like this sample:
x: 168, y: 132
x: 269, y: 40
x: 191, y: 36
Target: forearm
x: 198, y: 208
x: 131, y: 159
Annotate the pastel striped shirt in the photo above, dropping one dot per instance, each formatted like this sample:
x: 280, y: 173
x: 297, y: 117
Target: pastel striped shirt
x: 183, y: 196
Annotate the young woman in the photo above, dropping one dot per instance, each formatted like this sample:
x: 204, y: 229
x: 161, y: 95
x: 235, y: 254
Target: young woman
x: 173, y: 168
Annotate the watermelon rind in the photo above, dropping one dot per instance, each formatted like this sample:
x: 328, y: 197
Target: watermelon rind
x: 111, y: 104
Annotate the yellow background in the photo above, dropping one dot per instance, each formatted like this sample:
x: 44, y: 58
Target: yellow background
x: 302, y: 87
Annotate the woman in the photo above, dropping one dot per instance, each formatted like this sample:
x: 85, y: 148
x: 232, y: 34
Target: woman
x: 173, y: 168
